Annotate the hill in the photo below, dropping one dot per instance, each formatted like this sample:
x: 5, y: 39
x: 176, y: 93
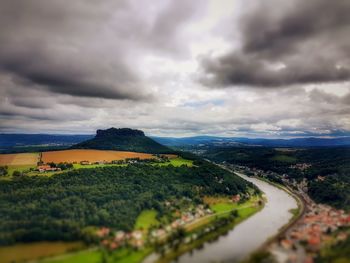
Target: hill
x: 123, y: 139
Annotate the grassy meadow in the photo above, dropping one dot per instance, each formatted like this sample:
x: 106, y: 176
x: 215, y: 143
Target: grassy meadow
x: 146, y: 219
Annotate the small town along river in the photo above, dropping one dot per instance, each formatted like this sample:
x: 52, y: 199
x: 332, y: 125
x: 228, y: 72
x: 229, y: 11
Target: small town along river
x: 252, y: 233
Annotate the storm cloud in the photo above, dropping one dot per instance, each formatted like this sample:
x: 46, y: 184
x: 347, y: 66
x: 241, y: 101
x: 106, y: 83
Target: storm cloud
x: 85, y: 48
x: 176, y: 68
x: 285, y: 43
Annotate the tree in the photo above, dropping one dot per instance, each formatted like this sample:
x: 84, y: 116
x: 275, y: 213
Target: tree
x: 234, y: 213
x: 3, y: 171
x: 16, y: 173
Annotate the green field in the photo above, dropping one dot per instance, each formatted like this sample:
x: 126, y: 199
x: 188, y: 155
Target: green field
x: 86, y: 256
x: 123, y: 255
x: 178, y: 162
x: 284, y: 158
x: 20, y: 168
x: 146, y: 219
x: 223, y: 207
x: 224, y: 204
x: 246, y: 212
x: 126, y: 255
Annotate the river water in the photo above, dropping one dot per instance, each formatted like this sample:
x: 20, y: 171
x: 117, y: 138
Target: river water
x: 249, y: 235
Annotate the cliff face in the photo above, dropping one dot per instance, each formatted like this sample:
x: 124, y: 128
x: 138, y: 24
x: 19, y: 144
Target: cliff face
x: 118, y: 132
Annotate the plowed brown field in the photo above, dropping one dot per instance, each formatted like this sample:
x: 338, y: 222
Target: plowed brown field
x: 71, y: 156
x: 19, y: 159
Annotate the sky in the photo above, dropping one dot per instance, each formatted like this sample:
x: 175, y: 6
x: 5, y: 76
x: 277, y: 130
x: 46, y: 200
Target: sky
x: 252, y: 68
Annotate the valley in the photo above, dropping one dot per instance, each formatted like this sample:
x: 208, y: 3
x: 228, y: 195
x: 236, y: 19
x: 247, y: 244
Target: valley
x: 126, y: 206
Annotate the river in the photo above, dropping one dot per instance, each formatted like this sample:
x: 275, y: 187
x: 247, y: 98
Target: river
x: 249, y: 235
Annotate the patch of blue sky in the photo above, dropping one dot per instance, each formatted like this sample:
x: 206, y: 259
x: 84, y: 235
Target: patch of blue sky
x: 198, y: 104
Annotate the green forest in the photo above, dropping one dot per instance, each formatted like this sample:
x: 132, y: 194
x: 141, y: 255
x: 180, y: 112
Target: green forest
x: 63, y: 206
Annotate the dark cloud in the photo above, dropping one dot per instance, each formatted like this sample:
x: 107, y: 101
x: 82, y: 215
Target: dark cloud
x: 79, y: 66
x: 84, y: 48
x: 286, y: 43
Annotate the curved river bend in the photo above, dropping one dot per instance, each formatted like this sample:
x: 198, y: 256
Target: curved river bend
x: 249, y: 235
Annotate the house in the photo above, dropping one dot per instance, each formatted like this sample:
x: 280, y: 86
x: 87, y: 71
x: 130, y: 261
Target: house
x: 320, y: 178
x: 47, y: 168
x: 113, y: 245
x: 103, y: 231
x: 314, y: 242
x: 137, y: 234
x: 120, y: 236
x: 286, y: 243
x: 84, y: 162
x: 137, y: 243
x: 43, y: 168
x: 236, y: 198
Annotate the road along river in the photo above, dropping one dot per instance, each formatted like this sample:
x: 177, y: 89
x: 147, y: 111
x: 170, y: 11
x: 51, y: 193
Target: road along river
x: 252, y: 233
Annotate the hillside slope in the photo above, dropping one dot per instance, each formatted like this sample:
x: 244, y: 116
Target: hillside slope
x: 123, y: 139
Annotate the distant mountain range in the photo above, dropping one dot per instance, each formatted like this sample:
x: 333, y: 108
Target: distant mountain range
x: 135, y: 139
x: 12, y: 140
x: 124, y: 139
x: 241, y: 141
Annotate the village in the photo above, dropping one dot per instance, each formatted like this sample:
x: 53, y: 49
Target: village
x: 139, y: 238
x: 318, y: 226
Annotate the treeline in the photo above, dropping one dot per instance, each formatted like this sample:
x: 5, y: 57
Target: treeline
x: 61, y: 206
x: 324, y: 161
x: 334, y: 190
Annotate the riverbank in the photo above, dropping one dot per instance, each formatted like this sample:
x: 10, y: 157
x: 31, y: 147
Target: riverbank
x: 234, y: 243
x: 318, y: 227
x: 204, y: 224
x: 263, y: 252
x: 243, y: 214
x: 297, y: 213
x: 252, y: 233
x: 199, y: 232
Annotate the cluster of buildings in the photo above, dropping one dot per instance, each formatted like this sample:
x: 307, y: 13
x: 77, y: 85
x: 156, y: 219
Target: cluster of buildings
x: 47, y: 168
x: 316, y: 228
x: 301, y: 166
x: 190, y: 216
x: 250, y: 171
x: 114, y: 240
x: 312, y: 231
x: 319, y: 225
x: 137, y: 238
